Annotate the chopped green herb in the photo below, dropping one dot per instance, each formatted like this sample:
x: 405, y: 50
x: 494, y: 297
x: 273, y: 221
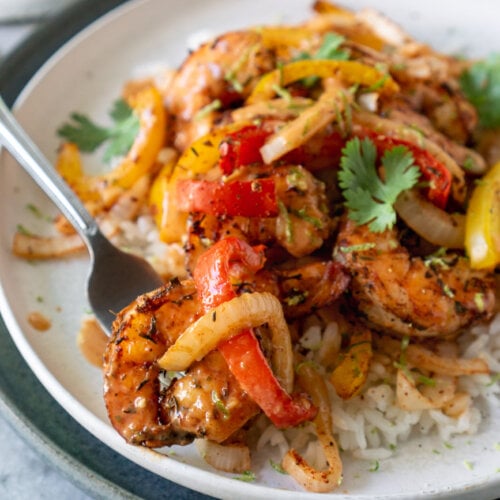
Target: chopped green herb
x: 277, y: 467
x: 479, y: 301
x: 330, y: 48
x: 436, y: 259
x: 37, y: 212
x: 220, y: 405
x: 493, y: 380
x: 248, y: 476
x: 422, y: 379
x: 302, y: 214
x: 296, y: 180
x: 23, y: 230
x: 361, y: 247
x: 283, y: 93
x: 448, y: 445
x: 88, y: 136
x: 497, y: 446
x: 375, y: 466
x: 481, y: 85
x: 296, y: 298
x: 288, y: 222
x: 206, y: 110
x: 368, y: 198
x: 377, y: 85
x: 468, y: 164
x: 468, y: 465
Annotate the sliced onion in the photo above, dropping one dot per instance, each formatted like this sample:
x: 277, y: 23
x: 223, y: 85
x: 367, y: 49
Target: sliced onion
x: 441, y: 391
x: 408, y: 397
x: 221, y: 323
x: 425, y: 359
x: 297, y: 132
x: 31, y: 246
x: 458, y: 405
x: 233, y: 457
x: 319, y: 481
x: 277, y: 108
x: 430, y: 222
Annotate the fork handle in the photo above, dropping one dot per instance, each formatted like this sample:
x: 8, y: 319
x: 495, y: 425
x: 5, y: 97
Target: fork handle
x: 26, y: 152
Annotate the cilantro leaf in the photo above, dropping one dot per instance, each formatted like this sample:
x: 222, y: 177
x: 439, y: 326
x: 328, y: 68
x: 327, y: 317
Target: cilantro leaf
x: 330, y: 48
x: 369, y: 199
x: 88, y: 136
x: 481, y: 85
x: 83, y: 132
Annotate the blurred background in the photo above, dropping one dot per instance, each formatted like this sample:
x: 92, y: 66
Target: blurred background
x: 21, y: 11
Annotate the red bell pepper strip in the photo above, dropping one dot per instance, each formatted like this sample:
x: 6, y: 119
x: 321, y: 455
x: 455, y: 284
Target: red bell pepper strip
x: 241, y: 148
x: 255, y: 198
x: 242, y: 352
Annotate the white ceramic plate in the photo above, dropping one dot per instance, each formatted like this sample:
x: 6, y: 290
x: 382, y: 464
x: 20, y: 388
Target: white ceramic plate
x: 86, y: 75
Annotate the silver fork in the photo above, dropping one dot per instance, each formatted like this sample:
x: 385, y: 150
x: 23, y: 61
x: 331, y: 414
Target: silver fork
x: 116, y: 278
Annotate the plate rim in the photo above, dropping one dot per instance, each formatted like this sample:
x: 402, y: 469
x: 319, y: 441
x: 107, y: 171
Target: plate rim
x: 16, y: 70
x: 101, y: 4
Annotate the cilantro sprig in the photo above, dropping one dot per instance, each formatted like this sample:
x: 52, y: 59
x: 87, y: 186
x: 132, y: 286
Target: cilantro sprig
x: 369, y: 199
x: 481, y: 85
x: 88, y: 136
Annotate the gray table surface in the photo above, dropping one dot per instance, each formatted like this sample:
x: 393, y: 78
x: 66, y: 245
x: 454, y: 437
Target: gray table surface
x: 23, y: 473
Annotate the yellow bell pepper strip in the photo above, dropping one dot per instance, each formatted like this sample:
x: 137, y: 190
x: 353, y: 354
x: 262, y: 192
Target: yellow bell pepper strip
x: 69, y: 166
x: 199, y: 158
x: 482, y: 222
x: 350, y: 374
x: 243, y: 353
x: 140, y: 160
x: 287, y: 36
x: 352, y: 72
x: 148, y: 105
x: 325, y: 7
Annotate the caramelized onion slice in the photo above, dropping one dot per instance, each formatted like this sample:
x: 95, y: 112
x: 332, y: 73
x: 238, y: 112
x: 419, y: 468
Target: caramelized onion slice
x: 425, y: 359
x: 319, y: 481
x: 433, y: 224
x: 223, y: 322
x: 30, y: 246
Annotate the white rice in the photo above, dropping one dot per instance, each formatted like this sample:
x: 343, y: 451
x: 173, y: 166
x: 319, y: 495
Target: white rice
x: 371, y: 425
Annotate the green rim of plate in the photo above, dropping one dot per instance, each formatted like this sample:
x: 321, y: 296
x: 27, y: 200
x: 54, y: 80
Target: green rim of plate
x: 88, y: 463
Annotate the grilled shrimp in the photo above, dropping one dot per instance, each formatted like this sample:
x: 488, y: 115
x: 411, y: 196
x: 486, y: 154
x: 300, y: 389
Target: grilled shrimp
x: 224, y: 69
x: 206, y: 401
x: 139, y: 407
x: 409, y: 295
x: 300, y: 228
